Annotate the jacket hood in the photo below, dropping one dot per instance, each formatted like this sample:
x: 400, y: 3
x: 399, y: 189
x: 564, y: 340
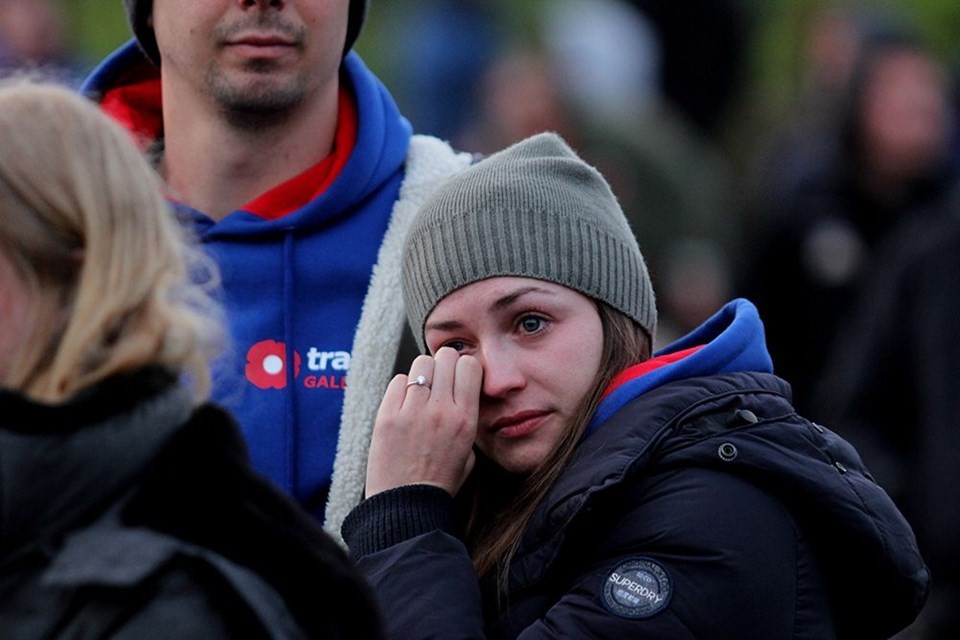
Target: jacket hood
x: 730, y: 340
x: 58, y: 464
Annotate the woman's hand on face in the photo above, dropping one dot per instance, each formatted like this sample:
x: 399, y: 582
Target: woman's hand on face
x: 424, y: 433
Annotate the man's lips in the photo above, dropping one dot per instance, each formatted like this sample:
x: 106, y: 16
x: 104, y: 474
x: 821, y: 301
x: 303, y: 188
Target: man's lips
x: 263, y: 40
x: 261, y: 43
x: 518, y: 424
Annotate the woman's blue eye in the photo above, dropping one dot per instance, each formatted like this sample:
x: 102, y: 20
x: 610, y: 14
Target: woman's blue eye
x: 531, y: 324
x: 455, y: 345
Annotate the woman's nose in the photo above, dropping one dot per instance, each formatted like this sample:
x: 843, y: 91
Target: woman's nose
x: 502, y: 372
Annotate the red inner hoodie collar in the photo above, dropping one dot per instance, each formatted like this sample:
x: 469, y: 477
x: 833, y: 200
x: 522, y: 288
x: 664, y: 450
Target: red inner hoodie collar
x: 647, y: 366
x: 136, y: 103
x: 299, y: 190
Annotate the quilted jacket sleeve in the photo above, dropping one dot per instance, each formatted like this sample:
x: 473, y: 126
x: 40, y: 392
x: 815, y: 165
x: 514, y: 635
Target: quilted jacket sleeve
x: 421, y: 573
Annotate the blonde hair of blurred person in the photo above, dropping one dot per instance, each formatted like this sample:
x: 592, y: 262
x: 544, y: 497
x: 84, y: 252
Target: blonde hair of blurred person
x: 126, y: 496
x: 104, y: 267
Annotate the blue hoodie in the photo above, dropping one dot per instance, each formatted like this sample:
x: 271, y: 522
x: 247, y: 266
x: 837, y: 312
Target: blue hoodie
x: 294, y: 286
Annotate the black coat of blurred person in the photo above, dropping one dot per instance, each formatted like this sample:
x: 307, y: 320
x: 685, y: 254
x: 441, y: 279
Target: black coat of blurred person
x: 128, y: 507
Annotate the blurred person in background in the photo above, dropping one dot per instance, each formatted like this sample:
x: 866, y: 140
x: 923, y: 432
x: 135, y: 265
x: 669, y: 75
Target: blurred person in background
x: 33, y: 35
x: 893, y: 163
x: 130, y: 509
x: 831, y: 41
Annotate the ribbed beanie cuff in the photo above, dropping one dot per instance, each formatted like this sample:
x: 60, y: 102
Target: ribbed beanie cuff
x: 533, y: 210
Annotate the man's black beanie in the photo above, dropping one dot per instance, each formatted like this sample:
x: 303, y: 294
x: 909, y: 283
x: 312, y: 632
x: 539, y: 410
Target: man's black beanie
x: 138, y: 13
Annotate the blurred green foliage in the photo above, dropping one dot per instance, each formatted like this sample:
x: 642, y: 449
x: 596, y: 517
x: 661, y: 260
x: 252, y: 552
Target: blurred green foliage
x: 776, y: 51
x: 97, y: 26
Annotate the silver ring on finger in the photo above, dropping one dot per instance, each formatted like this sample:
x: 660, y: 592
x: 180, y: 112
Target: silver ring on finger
x: 419, y: 381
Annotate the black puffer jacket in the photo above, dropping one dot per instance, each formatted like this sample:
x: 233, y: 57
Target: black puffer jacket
x: 123, y: 514
x: 704, y: 508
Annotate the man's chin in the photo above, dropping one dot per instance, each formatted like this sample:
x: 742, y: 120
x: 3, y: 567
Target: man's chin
x: 258, y: 102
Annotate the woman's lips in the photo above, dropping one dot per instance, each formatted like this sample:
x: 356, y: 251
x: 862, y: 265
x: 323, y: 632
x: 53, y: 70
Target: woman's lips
x: 519, y: 424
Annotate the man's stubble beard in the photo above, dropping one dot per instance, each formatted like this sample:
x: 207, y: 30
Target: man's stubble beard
x: 256, y: 104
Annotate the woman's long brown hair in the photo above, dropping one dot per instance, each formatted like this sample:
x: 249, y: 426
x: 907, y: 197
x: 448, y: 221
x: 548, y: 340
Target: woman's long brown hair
x: 496, y: 524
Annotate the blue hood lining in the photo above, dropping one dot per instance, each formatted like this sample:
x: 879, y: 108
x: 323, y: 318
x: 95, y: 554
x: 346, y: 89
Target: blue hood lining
x: 733, y: 340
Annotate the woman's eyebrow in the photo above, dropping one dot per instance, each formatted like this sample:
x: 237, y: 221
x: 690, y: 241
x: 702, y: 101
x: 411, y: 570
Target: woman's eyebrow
x: 443, y: 325
x: 498, y: 305
x: 509, y: 299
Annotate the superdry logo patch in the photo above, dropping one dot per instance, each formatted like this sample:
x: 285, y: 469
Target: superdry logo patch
x: 266, y: 367
x: 638, y: 588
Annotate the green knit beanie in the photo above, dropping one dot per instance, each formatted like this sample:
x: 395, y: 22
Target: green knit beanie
x: 535, y: 210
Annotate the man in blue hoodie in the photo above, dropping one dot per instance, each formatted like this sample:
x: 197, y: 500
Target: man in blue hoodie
x: 298, y: 173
